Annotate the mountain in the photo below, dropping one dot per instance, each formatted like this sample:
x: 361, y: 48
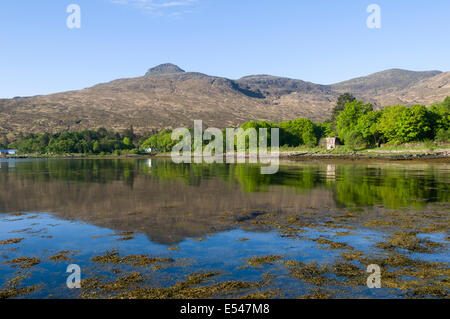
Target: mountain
x: 382, y: 83
x: 427, y: 91
x: 168, y: 97
x: 167, y: 68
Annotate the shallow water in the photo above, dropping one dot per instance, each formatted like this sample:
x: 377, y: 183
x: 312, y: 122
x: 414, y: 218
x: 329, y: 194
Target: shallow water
x: 214, y: 218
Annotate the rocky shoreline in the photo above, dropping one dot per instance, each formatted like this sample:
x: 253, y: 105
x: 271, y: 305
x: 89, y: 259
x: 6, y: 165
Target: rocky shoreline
x: 384, y: 155
x: 365, y: 156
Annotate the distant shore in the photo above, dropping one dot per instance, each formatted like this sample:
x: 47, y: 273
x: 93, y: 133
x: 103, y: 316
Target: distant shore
x: 391, y: 154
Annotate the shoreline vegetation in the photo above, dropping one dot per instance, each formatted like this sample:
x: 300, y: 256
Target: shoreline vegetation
x: 418, y: 151
x: 395, y: 132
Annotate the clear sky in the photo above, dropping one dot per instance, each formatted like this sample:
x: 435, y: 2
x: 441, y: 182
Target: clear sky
x: 322, y: 41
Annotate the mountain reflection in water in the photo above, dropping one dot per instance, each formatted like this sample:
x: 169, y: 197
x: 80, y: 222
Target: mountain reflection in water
x: 169, y: 202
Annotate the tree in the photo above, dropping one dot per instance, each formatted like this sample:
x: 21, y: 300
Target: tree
x: 96, y: 147
x: 441, y: 112
x: 129, y: 132
x: 299, y: 132
x: 414, y: 124
x: 400, y: 124
x: 388, y: 122
x: 348, y: 119
x: 127, y: 142
x: 257, y: 126
x: 367, y: 127
x: 4, y: 142
x: 343, y: 99
x: 441, y: 120
x: 44, y: 139
x: 161, y: 142
x: 354, y: 140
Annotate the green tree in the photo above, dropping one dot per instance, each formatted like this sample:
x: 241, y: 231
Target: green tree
x: 415, y: 124
x: 299, y: 132
x: 388, y: 122
x: 441, y: 113
x: 400, y: 124
x: 127, y: 142
x: 96, y: 147
x: 354, y: 140
x: 129, y: 132
x: 442, y: 136
x: 342, y: 101
x: 347, y: 120
x: 367, y: 127
x: 161, y: 142
x: 257, y: 126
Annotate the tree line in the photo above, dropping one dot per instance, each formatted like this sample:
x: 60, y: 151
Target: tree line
x: 101, y: 141
x: 355, y: 123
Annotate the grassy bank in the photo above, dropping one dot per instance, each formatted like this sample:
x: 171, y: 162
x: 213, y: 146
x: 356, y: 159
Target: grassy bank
x: 442, y: 149
x: 418, y: 150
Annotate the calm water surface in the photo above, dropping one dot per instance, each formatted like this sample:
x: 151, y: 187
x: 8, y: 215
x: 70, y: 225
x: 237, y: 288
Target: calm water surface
x: 213, y: 218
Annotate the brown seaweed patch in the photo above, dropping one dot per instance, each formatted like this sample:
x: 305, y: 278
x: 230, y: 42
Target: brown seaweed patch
x: 351, y: 255
x: 23, y: 262
x: 346, y: 269
x: 17, y: 214
x: 12, y: 288
x: 99, y: 287
x: 318, y: 294
x: 415, y: 278
x: 426, y: 221
x: 331, y: 244
x: 193, y: 287
x: 11, y: 241
x: 125, y: 238
x: 263, y: 260
x: 131, y: 260
x: 128, y: 235
x: 408, y: 241
x: 62, y: 256
x: 430, y: 291
x: 269, y: 294
x: 311, y: 273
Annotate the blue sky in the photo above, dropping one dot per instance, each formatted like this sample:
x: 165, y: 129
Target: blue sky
x: 322, y: 41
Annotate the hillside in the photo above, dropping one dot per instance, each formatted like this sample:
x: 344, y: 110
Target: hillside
x: 427, y: 91
x: 169, y: 97
x: 382, y: 83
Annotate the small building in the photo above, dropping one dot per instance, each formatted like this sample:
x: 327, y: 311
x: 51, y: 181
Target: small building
x: 332, y: 143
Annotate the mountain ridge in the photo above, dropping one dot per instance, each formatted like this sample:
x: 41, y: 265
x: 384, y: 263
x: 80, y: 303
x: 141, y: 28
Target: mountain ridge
x: 169, y: 97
